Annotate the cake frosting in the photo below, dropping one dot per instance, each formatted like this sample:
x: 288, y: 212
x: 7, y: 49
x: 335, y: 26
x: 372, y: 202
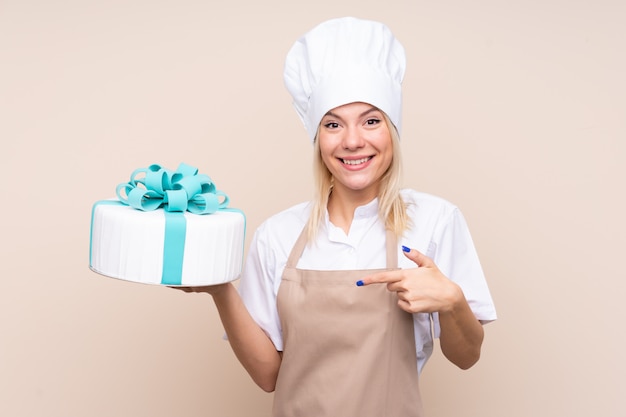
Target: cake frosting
x: 169, y: 228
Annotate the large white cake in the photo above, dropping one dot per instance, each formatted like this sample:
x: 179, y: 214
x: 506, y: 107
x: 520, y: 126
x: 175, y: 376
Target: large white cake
x: 157, y: 246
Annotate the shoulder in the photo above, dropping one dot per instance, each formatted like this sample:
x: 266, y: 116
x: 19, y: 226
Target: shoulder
x: 431, y: 218
x: 271, y: 244
x: 294, y: 216
x: 281, y: 230
x: 419, y: 203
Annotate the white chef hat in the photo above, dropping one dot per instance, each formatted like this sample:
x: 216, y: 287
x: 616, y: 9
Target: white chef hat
x: 343, y: 61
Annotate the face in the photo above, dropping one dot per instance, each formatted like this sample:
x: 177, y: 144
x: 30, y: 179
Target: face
x: 356, y: 146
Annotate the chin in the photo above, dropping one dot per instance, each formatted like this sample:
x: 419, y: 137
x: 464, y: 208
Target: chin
x: 359, y: 187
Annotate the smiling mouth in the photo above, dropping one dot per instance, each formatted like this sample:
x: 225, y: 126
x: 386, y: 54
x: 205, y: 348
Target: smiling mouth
x: 356, y: 161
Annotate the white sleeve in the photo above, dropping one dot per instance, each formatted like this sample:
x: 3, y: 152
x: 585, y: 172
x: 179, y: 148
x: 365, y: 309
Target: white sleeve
x: 455, y: 255
x: 258, y: 287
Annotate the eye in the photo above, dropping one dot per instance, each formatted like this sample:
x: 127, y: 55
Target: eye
x: 331, y: 125
x: 372, y: 121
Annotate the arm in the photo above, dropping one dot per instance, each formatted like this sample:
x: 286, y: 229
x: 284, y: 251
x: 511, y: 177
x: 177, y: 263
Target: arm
x: 251, y: 345
x: 248, y: 313
x: 461, y: 333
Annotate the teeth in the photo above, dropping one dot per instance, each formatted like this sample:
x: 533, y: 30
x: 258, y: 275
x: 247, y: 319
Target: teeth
x: 355, y: 161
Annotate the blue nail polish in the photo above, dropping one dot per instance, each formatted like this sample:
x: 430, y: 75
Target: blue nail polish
x: 404, y: 248
x: 359, y: 283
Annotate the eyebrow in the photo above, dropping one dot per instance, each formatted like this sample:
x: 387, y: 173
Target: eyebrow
x: 371, y: 109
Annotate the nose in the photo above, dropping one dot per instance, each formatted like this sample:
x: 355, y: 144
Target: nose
x: 353, y: 139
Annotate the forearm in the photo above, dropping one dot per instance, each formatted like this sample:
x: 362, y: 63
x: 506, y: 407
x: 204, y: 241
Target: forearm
x: 251, y: 345
x: 461, y: 333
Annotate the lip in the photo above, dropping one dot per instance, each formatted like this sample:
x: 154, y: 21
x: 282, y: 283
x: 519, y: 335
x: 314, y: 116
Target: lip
x: 353, y: 164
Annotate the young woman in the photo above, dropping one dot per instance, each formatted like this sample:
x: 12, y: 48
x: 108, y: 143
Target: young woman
x: 341, y: 297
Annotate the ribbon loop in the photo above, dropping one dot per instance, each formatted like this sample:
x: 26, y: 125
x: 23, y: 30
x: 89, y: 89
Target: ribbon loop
x: 176, y: 200
x: 156, y: 181
x: 145, y: 200
x: 204, y: 204
x: 187, y: 170
x: 225, y: 200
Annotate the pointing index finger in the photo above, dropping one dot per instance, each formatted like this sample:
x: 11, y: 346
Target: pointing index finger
x: 379, y: 278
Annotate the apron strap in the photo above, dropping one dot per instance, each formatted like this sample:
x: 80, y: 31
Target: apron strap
x: 298, y: 248
x: 391, y: 243
x: 392, y: 249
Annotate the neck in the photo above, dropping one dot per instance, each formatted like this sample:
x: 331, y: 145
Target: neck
x: 343, y: 202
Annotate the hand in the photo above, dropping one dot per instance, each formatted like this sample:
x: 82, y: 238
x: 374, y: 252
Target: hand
x: 208, y: 289
x: 420, y: 290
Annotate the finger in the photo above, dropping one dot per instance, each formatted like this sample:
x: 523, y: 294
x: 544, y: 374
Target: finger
x: 380, y: 278
x: 184, y: 289
x: 418, y: 257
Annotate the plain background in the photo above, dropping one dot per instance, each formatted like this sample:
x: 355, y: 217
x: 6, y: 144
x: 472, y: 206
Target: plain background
x: 514, y: 110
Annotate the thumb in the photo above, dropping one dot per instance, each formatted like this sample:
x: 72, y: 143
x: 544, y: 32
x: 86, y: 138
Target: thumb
x: 418, y: 257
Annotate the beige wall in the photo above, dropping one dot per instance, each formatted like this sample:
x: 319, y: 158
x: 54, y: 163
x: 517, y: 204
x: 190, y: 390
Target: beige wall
x: 514, y: 110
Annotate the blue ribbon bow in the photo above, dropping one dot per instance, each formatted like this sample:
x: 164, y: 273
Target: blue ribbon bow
x: 174, y: 191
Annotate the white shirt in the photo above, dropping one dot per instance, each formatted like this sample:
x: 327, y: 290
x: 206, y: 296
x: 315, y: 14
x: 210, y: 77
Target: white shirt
x: 438, y: 231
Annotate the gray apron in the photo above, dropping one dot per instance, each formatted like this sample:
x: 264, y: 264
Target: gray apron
x: 348, y: 351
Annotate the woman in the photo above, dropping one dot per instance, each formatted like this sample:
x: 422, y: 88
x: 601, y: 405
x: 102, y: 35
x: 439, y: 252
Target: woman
x: 338, y: 296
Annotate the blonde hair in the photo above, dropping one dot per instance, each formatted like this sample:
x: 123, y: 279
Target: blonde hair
x: 391, y: 207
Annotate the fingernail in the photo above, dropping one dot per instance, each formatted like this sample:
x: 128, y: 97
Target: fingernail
x: 359, y: 283
x: 404, y: 248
